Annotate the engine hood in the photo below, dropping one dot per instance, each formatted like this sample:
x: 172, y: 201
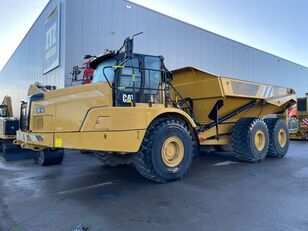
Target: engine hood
x: 65, y: 109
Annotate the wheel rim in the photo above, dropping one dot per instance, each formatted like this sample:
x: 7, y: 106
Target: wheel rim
x: 172, y: 151
x: 282, y: 138
x: 259, y: 140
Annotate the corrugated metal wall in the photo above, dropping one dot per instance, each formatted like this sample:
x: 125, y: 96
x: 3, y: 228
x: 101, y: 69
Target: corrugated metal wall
x: 90, y: 26
x: 94, y: 25
x: 26, y: 65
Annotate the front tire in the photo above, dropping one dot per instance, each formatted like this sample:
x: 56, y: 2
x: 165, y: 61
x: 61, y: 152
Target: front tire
x: 166, y: 152
x: 279, y: 137
x: 49, y: 156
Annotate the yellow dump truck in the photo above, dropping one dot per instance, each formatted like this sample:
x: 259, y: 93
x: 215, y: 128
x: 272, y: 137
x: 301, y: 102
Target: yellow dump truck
x: 136, y: 111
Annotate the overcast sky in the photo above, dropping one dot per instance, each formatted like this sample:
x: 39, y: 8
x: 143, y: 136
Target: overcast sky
x: 279, y: 27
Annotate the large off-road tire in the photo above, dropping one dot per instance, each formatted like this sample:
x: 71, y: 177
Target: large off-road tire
x: 250, y: 139
x: 166, y: 152
x: 49, y: 156
x: 279, y: 137
x: 114, y: 159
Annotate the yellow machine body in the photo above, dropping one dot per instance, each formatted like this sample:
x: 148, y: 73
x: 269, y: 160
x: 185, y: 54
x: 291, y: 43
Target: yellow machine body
x: 7, y: 119
x: 301, y: 132
x: 206, y: 89
x: 83, y: 117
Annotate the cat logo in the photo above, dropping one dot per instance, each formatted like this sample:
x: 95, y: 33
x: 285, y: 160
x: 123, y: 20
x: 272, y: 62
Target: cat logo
x: 127, y: 98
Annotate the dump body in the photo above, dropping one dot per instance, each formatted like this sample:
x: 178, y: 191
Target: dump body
x: 206, y: 90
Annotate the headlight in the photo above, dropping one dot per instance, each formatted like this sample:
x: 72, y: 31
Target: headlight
x: 40, y: 109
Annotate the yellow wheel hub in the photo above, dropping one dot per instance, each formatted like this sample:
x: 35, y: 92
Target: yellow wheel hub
x: 282, y: 138
x: 259, y: 140
x: 172, y: 151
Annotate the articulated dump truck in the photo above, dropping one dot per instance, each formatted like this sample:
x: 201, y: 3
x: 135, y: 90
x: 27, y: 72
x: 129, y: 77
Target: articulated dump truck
x: 137, y: 112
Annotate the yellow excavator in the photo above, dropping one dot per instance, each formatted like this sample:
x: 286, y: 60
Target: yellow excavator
x: 137, y: 112
x: 8, y: 125
x: 300, y: 132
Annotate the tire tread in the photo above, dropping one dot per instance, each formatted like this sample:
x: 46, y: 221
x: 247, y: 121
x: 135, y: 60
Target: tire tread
x: 142, y: 159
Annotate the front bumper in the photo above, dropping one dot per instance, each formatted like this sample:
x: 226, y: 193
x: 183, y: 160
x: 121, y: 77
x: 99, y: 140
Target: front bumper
x: 33, y: 140
x: 111, y: 141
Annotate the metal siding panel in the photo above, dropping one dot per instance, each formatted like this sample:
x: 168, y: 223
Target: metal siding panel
x: 74, y: 37
x: 90, y: 14
x: 142, y: 43
x: 105, y: 32
x: 198, y: 44
x: 172, y: 40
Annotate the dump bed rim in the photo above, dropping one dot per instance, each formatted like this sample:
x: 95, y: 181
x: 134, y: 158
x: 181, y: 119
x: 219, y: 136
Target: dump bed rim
x: 292, y: 91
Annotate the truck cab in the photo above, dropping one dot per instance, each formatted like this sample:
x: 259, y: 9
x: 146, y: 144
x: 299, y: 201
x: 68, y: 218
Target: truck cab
x: 135, y: 80
x: 8, y: 126
x: 3, y: 111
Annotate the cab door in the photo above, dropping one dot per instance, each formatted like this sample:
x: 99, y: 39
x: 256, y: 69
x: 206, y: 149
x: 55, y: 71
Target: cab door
x: 129, y: 82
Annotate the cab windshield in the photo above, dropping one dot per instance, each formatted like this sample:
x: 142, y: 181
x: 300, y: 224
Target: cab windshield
x: 3, y: 112
x: 109, y: 72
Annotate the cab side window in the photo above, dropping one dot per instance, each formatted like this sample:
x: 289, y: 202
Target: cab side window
x: 3, y: 112
x: 131, y: 77
x: 152, y: 78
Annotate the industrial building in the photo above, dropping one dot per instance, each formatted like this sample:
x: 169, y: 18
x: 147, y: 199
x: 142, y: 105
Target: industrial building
x: 68, y: 29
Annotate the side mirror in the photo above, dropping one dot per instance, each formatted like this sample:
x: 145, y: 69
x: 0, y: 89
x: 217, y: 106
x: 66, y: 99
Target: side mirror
x: 129, y: 47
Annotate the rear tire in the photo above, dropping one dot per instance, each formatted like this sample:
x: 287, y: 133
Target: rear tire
x: 250, y: 139
x: 279, y: 137
x: 166, y: 152
x: 114, y: 159
x: 48, y: 157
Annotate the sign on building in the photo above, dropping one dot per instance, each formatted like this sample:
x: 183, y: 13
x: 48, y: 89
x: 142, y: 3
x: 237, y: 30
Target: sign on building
x: 51, y: 58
